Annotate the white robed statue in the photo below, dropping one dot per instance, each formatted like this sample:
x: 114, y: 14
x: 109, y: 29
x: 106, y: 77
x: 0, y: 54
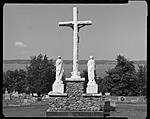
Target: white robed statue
x: 91, y: 70
x: 59, y: 70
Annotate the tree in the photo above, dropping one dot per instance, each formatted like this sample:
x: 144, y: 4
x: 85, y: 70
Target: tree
x: 121, y: 80
x: 142, y: 79
x: 40, y: 74
x: 14, y: 80
x: 99, y: 82
x: 84, y: 74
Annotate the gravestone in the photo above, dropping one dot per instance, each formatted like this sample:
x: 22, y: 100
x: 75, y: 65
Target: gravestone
x: 107, y: 94
x: 35, y: 94
x: 15, y: 93
x: 6, y: 95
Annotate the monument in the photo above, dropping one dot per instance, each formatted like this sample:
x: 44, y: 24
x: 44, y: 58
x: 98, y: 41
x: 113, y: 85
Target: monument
x: 74, y: 101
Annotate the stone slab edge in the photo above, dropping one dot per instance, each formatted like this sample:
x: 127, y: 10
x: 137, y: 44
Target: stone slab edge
x: 57, y: 94
x: 77, y: 113
x: 75, y: 79
x: 91, y: 95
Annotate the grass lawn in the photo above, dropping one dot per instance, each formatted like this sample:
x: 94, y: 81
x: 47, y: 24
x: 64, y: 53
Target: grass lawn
x: 132, y: 111
x: 26, y: 111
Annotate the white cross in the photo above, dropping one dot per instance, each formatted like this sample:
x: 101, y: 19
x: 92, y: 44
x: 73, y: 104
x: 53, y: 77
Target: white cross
x: 75, y: 25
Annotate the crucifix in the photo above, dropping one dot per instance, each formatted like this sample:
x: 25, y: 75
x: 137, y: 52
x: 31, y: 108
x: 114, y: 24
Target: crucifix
x: 75, y: 25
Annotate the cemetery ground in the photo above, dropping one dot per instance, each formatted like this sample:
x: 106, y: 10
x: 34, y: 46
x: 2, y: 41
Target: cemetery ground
x: 38, y: 109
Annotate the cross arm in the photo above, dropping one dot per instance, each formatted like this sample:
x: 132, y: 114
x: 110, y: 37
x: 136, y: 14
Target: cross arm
x: 84, y: 23
x: 69, y: 23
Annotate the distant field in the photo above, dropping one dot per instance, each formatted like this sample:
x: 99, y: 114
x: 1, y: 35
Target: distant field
x: 100, y: 68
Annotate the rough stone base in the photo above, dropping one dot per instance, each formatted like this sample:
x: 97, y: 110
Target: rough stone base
x: 92, y: 88
x: 58, y: 88
x: 77, y: 114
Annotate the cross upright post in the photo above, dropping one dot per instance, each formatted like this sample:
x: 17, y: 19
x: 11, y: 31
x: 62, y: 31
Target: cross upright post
x: 75, y: 25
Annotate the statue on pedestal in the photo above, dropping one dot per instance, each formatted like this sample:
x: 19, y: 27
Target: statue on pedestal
x: 59, y: 70
x: 91, y: 70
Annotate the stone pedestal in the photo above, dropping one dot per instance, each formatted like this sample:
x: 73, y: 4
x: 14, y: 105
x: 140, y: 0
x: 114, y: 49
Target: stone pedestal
x: 75, y: 85
x: 92, y: 88
x: 58, y: 88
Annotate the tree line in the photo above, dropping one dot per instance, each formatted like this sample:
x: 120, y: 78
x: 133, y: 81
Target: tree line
x: 122, y: 80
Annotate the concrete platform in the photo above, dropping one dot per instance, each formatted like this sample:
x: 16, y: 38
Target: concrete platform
x: 77, y: 114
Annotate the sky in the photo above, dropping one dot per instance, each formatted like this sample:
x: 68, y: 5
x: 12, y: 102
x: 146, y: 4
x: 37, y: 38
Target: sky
x: 31, y: 29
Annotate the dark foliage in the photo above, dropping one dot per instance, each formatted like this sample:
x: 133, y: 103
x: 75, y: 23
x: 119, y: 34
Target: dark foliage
x: 40, y: 74
x: 14, y: 80
x: 121, y: 80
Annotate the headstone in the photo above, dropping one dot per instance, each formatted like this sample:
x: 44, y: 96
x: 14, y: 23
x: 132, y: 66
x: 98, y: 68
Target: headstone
x: 107, y: 94
x: 113, y: 104
x: 35, y: 94
x: 16, y: 94
x: 6, y: 95
x: 21, y: 94
x: 13, y: 93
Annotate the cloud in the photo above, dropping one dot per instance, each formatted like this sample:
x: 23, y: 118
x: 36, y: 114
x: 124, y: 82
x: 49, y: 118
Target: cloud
x: 20, y: 44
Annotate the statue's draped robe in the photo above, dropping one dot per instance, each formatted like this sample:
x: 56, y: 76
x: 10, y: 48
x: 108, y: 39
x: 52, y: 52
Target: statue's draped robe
x: 59, y: 70
x: 91, y: 69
